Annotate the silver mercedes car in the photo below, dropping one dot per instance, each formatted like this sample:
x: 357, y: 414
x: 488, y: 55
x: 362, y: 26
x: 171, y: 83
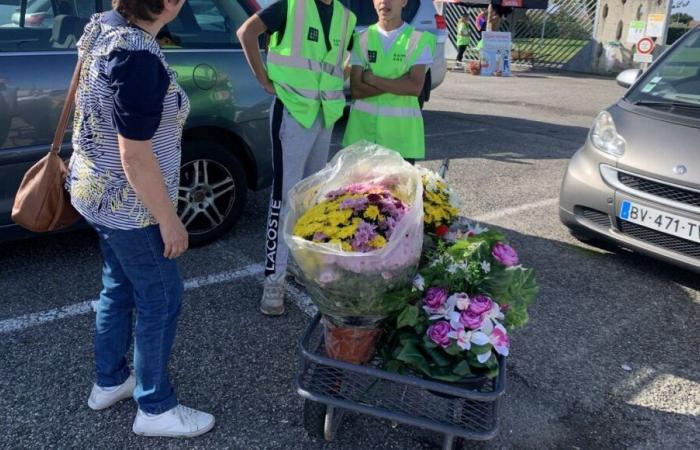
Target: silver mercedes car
x: 636, y: 180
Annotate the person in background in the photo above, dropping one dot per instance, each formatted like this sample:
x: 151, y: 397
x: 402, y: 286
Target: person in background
x: 462, y: 36
x: 305, y: 72
x: 123, y: 179
x: 389, y: 62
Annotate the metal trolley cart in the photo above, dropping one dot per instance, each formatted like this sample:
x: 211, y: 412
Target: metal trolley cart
x: 331, y: 388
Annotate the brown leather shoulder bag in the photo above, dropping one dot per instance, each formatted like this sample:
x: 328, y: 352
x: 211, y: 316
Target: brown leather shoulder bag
x: 42, y: 203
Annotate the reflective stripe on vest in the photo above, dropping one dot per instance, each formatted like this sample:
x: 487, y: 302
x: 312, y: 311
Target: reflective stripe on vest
x: 299, y: 62
x: 295, y: 60
x: 386, y: 111
x: 313, y: 94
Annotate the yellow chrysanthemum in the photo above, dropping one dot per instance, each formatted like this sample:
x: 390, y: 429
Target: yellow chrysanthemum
x: 372, y: 212
x: 378, y: 242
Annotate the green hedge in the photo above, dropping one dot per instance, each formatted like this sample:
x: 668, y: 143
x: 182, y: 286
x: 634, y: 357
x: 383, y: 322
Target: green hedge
x: 675, y: 31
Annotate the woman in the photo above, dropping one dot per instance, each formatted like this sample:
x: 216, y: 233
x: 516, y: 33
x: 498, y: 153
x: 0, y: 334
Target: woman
x: 124, y: 177
x: 389, y: 63
x: 462, y: 36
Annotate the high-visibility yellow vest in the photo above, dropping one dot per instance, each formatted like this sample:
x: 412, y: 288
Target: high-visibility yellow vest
x: 308, y: 77
x: 393, y: 121
x: 462, y: 34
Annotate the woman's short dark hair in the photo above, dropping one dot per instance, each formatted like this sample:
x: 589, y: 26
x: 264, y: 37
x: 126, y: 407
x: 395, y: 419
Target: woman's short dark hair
x: 138, y: 9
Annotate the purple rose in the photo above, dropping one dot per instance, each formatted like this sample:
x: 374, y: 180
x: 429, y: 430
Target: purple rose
x: 480, y: 304
x: 505, y: 254
x: 438, y: 333
x: 435, y: 297
x: 470, y: 319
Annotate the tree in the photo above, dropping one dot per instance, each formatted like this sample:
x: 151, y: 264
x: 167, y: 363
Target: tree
x: 680, y: 17
x: 677, y: 4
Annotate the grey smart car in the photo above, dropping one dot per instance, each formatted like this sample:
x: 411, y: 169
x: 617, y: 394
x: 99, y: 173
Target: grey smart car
x: 636, y: 181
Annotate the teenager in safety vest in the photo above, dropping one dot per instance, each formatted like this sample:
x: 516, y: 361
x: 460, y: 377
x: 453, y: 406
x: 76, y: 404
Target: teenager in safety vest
x: 309, y: 44
x: 389, y: 62
x: 462, y: 36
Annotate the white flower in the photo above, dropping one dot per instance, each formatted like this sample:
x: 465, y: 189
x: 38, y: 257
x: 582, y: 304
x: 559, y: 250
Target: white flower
x: 419, y: 283
x: 483, y: 357
x: 443, y: 312
x: 477, y: 229
x: 495, y: 313
x: 465, y: 338
x: 486, y: 266
x: 452, y: 268
x: 461, y: 300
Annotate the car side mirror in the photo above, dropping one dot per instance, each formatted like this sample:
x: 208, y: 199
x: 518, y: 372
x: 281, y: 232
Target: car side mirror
x: 626, y: 78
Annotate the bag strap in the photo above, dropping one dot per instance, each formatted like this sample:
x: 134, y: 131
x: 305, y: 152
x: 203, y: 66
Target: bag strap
x: 67, y: 107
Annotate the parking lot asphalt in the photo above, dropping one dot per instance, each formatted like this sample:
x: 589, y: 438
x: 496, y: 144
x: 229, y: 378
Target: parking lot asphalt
x: 608, y: 360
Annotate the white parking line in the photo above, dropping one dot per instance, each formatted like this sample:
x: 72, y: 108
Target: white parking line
x: 456, y: 133
x: 36, y: 319
x: 297, y: 296
x: 515, y: 210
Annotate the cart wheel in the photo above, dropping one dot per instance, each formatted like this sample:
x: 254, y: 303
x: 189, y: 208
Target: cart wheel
x: 314, y: 418
x: 453, y: 443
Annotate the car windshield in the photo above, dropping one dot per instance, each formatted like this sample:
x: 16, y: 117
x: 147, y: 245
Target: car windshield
x: 673, y: 84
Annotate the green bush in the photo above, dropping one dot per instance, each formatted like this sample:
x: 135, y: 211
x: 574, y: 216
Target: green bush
x: 675, y: 32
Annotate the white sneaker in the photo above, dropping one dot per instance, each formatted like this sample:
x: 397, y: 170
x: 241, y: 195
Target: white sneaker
x: 101, y: 398
x: 180, y: 421
x: 272, y: 302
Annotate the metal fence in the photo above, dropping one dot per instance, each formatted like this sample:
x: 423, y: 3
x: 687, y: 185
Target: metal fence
x: 550, y: 38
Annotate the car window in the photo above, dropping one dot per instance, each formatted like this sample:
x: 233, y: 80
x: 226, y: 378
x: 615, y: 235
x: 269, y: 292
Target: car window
x: 46, y: 25
x: 367, y: 15
x: 675, y: 79
x: 205, y: 24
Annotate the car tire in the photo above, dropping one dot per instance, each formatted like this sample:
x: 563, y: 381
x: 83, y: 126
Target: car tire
x: 213, y: 190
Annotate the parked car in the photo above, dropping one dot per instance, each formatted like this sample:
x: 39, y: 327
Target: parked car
x: 6, y: 12
x: 40, y: 13
x: 636, y: 181
x: 226, y: 139
x: 422, y: 15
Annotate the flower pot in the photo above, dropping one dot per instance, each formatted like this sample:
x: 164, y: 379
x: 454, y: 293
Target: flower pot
x: 355, y: 345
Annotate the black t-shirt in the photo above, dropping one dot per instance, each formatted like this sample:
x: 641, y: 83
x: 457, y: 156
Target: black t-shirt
x: 275, y: 19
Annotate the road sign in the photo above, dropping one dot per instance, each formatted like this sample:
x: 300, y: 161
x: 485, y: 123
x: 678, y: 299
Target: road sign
x: 656, y: 25
x: 643, y: 58
x: 645, y: 46
x: 636, y: 31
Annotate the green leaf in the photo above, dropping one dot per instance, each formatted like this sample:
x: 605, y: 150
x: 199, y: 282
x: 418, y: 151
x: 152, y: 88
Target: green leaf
x: 393, y: 366
x: 515, y: 287
x: 408, y: 317
x: 411, y: 355
x: 438, y: 357
x: 453, y: 349
x: 462, y: 369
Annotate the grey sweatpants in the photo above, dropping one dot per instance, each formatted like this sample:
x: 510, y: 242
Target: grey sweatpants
x: 297, y: 152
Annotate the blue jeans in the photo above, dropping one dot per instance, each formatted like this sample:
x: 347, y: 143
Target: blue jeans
x: 136, y: 276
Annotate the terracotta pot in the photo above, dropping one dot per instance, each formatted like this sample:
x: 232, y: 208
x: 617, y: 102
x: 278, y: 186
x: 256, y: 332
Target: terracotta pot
x: 354, y: 345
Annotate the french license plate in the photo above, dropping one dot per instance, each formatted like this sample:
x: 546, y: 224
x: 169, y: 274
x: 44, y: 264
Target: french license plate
x: 662, y: 221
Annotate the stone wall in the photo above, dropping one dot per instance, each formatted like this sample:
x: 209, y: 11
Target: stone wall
x: 610, y: 51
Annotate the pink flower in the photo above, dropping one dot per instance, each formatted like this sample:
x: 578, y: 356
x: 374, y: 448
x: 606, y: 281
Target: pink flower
x: 435, y: 297
x: 480, y: 304
x: 438, y: 333
x: 499, y: 339
x: 505, y: 254
x: 470, y: 319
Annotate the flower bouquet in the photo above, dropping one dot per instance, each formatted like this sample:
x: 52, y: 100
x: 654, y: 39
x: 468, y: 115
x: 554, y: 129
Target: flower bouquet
x: 440, y: 207
x: 355, y: 229
x: 469, y: 293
